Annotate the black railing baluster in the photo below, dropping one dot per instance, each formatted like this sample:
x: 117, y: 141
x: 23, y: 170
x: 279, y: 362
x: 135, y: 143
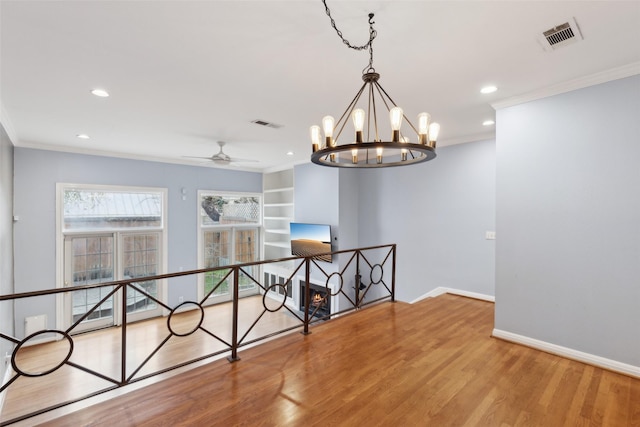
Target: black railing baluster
x: 307, y: 294
x: 358, y: 279
x: 234, y: 332
x: 123, y: 332
x: 393, y: 274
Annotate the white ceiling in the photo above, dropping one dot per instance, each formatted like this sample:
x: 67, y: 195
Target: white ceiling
x: 184, y: 74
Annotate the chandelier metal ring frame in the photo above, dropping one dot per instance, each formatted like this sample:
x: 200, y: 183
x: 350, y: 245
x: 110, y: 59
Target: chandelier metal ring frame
x: 372, y: 152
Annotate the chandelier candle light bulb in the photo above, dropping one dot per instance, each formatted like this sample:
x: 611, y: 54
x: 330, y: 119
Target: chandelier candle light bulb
x: 403, y: 151
x: 315, y: 138
x: 358, y: 123
x: 395, y: 116
x: 327, y: 125
x: 423, y: 127
x: 379, y: 155
x: 434, y: 130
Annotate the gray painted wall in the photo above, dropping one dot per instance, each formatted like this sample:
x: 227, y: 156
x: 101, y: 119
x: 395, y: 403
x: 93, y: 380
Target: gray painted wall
x: 437, y: 213
x: 568, y: 220
x: 6, y: 244
x: 316, y: 195
x: 349, y: 213
x: 36, y: 175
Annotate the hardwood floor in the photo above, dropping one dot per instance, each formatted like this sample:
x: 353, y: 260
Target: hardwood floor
x: 428, y: 364
x: 100, y: 351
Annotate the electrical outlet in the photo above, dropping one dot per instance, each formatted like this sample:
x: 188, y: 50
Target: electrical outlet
x: 180, y: 299
x: 490, y: 235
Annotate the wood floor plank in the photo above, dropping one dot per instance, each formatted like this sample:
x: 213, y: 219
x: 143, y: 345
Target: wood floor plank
x: 428, y: 364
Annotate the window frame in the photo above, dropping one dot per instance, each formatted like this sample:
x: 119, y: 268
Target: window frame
x: 61, y: 233
x: 231, y: 228
x: 239, y: 194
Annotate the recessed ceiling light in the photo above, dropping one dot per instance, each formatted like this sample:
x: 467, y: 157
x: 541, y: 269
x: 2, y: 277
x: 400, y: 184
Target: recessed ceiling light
x: 488, y: 123
x: 488, y: 89
x: 289, y: 153
x: 82, y: 136
x: 100, y: 92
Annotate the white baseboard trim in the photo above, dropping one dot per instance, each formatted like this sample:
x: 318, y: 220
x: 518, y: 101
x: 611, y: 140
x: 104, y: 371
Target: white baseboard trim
x: 443, y: 290
x: 601, y: 362
x: 8, y: 373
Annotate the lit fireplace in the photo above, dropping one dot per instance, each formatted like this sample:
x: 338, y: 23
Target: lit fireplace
x: 317, y: 299
x: 320, y: 300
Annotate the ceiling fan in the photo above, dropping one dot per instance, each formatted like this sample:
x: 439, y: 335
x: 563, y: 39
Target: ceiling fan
x: 221, y: 158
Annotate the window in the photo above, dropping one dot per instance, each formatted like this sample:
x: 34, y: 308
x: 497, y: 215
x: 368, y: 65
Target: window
x: 229, y: 234
x: 92, y: 208
x: 227, y: 209
x: 110, y: 233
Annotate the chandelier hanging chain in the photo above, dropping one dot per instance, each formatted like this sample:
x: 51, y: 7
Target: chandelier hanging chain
x: 372, y: 35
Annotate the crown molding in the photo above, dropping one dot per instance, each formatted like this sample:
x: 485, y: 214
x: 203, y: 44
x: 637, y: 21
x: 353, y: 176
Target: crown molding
x: 571, y: 85
x: 465, y: 139
x: 6, y: 124
x: 129, y: 156
x: 285, y: 166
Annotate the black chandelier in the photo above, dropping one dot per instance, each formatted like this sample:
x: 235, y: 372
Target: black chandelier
x: 372, y: 151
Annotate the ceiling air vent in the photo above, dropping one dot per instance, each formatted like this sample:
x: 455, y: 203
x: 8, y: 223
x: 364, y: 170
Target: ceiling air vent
x: 267, y: 124
x: 560, y: 35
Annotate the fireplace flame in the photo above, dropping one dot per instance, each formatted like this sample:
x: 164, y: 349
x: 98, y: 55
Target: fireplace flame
x: 317, y: 299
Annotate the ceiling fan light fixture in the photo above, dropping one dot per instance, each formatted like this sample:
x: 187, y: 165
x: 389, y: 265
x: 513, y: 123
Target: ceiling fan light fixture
x: 368, y: 149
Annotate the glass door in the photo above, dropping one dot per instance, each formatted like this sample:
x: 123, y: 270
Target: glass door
x: 217, y: 253
x: 246, y: 250
x: 89, y: 260
x: 101, y: 258
x: 223, y: 247
x: 141, y: 258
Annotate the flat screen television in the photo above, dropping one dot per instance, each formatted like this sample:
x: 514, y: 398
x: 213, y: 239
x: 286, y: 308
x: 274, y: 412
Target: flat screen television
x: 311, y: 239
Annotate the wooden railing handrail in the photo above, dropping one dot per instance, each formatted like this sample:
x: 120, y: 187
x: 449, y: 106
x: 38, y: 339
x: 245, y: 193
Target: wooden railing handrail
x: 177, y: 274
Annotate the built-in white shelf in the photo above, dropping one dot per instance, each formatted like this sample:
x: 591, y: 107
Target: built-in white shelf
x: 277, y: 230
x: 278, y: 190
x: 277, y: 213
x: 276, y: 205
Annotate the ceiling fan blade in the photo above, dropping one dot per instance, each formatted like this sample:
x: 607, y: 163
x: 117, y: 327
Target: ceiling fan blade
x: 197, y: 157
x: 235, y: 159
